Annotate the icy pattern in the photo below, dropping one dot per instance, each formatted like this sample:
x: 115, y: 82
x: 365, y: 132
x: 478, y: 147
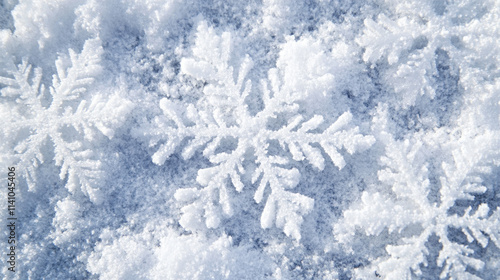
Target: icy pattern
x: 274, y: 139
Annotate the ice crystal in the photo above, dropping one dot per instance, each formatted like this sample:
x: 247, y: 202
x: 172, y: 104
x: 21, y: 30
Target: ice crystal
x: 68, y: 122
x: 222, y: 113
x: 410, y: 210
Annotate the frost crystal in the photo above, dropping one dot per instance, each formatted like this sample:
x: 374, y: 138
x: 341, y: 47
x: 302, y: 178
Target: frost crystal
x: 407, y: 209
x: 222, y: 116
x: 269, y: 139
x: 68, y: 121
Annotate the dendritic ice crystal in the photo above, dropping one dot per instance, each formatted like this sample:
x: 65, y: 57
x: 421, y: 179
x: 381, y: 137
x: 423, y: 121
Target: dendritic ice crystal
x: 171, y: 139
x: 222, y: 114
x: 417, y: 207
x: 67, y: 120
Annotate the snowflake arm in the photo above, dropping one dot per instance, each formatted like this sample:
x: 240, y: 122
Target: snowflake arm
x: 387, y: 38
x: 70, y: 83
x: 213, y: 198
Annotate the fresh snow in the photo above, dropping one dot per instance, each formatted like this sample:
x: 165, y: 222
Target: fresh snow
x: 185, y: 139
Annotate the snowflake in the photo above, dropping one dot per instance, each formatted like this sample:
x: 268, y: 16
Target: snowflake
x: 222, y: 114
x: 65, y: 120
x: 408, y: 209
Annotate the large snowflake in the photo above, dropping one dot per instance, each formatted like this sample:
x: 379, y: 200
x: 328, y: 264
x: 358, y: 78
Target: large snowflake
x: 63, y: 119
x: 222, y: 115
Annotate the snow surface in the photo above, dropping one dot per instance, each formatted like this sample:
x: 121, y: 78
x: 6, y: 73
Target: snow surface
x: 266, y: 139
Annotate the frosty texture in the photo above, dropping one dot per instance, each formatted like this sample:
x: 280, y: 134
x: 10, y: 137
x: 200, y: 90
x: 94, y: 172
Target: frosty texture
x: 273, y: 139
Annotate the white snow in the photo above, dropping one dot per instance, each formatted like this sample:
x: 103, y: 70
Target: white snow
x: 188, y: 139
